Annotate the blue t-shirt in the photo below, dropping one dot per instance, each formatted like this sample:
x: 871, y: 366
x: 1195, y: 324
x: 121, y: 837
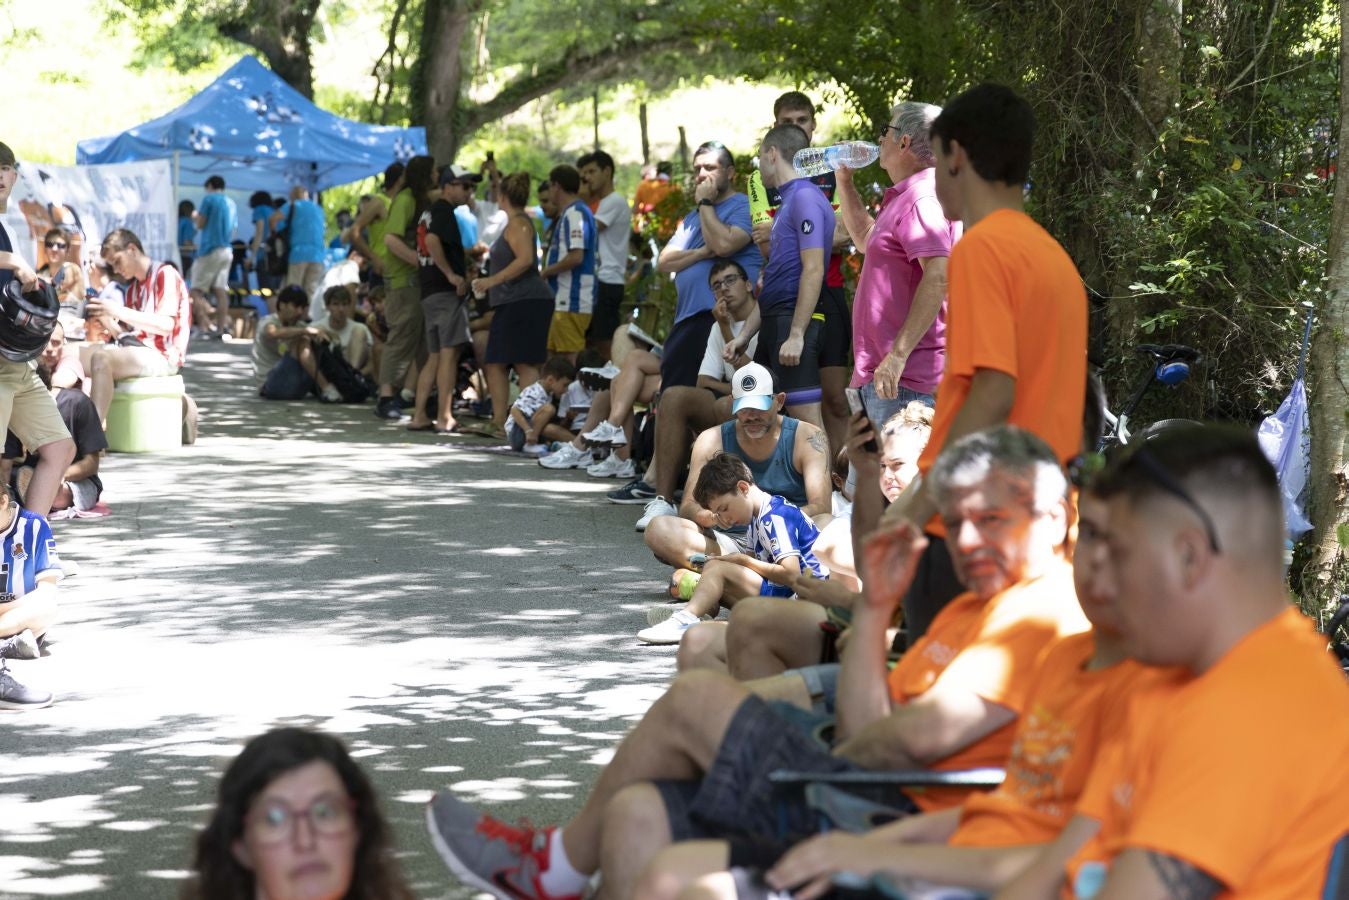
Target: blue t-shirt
x: 222, y: 217
x: 693, y: 293
x: 805, y: 222
x: 263, y: 214
x: 574, y: 289
x: 27, y: 550
x: 187, y: 232
x: 780, y: 530
x: 468, y: 226
x: 306, y: 231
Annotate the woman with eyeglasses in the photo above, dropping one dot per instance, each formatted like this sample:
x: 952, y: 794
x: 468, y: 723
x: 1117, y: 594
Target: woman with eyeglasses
x: 296, y: 817
x: 70, y: 292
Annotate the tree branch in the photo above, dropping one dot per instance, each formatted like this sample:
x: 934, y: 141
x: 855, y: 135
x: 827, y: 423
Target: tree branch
x: 574, y: 67
x: 1259, y: 51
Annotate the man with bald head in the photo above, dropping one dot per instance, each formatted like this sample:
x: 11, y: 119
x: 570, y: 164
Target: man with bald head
x: 1231, y: 780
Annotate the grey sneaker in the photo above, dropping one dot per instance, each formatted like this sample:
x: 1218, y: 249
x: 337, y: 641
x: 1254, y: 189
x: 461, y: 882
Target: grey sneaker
x: 14, y: 695
x: 657, y: 506
x: 488, y: 854
x: 20, y: 646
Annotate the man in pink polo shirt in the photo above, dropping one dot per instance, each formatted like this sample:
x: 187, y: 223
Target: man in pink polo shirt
x: 899, y: 311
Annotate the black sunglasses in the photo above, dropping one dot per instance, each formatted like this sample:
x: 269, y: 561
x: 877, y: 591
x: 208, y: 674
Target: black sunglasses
x: 1084, y: 468
x: 886, y: 129
x: 57, y: 245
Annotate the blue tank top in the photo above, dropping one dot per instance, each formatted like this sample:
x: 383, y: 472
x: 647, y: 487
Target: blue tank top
x: 777, y: 474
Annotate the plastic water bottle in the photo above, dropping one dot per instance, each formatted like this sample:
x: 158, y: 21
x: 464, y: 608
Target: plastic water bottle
x: 819, y: 160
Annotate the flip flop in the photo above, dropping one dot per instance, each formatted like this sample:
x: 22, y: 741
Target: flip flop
x: 429, y: 427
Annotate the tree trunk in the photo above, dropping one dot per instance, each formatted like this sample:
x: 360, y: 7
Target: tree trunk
x: 646, y: 138
x: 1329, y: 383
x: 279, y: 30
x: 437, y: 78
x: 595, y: 115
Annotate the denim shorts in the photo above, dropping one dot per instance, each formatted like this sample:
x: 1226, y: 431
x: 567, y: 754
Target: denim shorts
x: 822, y: 684
x: 288, y: 381
x: 735, y: 799
x: 879, y: 411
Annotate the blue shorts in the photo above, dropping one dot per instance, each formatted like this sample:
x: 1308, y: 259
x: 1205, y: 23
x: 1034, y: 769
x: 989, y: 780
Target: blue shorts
x: 769, y: 589
x: 288, y: 381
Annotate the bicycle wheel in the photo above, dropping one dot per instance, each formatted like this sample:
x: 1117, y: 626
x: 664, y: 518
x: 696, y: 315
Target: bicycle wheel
x: 1160, y: 426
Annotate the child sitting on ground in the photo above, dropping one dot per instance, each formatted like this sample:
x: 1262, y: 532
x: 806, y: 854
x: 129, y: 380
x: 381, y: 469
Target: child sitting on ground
x: 781, y: 544
x: 28, y: 581
x: 532, y: 421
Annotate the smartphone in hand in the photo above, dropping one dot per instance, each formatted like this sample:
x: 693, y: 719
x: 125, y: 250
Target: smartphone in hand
x: 857, y: 408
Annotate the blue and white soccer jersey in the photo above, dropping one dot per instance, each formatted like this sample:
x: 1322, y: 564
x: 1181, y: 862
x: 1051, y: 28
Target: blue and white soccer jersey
x: 780, y: 530
x: 27, y: 552
x: 574, y: 289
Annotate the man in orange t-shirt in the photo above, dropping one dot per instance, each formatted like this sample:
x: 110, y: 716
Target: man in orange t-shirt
x: 1016, y: 328
x: 698, y: 764
x: 1231, y: 783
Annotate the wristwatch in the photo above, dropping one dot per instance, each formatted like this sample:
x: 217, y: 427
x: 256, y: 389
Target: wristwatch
x: 706, y: 202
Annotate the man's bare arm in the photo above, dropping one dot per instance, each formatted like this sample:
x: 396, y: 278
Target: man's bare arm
x: 1141, y: 874
x: 811, y: 452
x: 706, y: 445
x: 721, y: 239
x: 926, y: 729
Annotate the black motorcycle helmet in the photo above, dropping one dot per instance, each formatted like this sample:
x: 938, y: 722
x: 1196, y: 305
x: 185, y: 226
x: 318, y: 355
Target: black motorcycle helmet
x: 26, y: 319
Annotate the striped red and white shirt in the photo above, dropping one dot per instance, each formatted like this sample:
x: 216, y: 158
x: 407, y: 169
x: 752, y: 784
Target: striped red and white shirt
x: 163, y: 291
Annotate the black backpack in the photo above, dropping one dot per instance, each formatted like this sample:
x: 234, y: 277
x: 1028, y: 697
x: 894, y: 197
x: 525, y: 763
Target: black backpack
x: 332, y: 365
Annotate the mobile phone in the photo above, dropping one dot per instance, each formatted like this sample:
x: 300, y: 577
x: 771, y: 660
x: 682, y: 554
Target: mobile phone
x: 857, y: 408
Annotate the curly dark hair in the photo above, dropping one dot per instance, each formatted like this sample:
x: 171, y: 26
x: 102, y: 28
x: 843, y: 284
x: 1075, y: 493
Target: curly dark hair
x: 219, y: 876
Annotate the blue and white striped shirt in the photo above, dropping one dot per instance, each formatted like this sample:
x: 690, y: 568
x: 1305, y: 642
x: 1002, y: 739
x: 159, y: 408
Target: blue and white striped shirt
x: 574, y: 289
x: 27, y: 550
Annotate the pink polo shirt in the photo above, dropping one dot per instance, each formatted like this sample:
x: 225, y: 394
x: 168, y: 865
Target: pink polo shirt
x: 910, y: 226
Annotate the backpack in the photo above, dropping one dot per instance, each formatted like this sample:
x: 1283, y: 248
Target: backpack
x: 332, y: 365
x: 278, y: 247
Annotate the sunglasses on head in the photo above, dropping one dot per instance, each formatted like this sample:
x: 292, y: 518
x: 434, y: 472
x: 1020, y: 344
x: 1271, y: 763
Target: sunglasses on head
x: 1084, y: 468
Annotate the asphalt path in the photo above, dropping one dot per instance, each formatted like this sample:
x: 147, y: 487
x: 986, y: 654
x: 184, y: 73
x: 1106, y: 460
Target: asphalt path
x: 460, y: 619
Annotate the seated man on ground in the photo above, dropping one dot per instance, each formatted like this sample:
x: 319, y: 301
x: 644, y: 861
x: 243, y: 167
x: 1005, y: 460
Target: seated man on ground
x: 62, y: 359
x: 1228, y: 781
x: 786, y: 457
x: 157, y: 315
x: 80, y: 485
x: 341, y: 328
x: 1077, y: 702
x: 765, y: 635
x: 533, y: 414
x: 780, y: 541
x: 28, y: 581
x: 283, y: 352
x: 697, y: 765
x: 685, y: 410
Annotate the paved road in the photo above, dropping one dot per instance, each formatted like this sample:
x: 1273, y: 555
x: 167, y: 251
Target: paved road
x: 459, y: 618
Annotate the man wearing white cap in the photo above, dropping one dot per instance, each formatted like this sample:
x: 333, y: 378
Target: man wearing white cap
x: 787, y: 458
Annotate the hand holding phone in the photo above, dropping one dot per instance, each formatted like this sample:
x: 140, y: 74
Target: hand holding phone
x: 857, y: 408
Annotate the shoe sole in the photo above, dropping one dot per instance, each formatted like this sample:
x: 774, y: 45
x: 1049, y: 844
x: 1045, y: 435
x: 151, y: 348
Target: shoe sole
x: 631, y: 500
x: 12, y: 706
x: 454, y: 864
x: 559, y: 468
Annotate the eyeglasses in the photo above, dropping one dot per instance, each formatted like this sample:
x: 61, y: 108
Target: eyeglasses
x: 886, y: 129
x: 328, y: 815
x: 724, y: 283
x: 56, y: 245
x: 1083, y: 469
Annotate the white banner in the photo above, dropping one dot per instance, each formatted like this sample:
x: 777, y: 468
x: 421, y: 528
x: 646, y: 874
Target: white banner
x: 87, y: 202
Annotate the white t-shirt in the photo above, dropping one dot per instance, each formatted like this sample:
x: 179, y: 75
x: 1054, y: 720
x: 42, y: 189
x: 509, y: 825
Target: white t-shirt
x: 492, y: 220
x: 577, y: 397
x: 713, y: 365
x: 344, y: 272
x: 530, y: 401
x: 354, y: 338
x: 617, y: 220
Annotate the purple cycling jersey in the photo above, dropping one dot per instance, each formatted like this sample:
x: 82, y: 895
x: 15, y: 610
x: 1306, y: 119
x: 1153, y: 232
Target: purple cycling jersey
x: 805, y: 222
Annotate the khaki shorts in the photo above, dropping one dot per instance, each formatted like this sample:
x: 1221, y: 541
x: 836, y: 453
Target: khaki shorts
x: 212, y: 270
x: 567, y: 334
x: 27, y: 407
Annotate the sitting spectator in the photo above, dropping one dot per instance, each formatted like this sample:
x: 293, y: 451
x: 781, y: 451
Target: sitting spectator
x: 28, y: 600
x: 283, y: 353
x: 534, y: 412
x: 65, y: 276
x: 697, y: 766
x: 62, y: 360
x: 786, y: 457
x: 343, y: 329
x: 157, y: 315
x: 574, y: 410
x: 296, y: 817
x: 780, y: 541
x: 80, y: 485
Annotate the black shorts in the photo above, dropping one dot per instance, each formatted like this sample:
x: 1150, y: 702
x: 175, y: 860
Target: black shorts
x: 519, y: 332
x: 604, y: 318
x: 836, y: 339
x: 801, y: 381
x: 735, y: 800
x: 684, y: 350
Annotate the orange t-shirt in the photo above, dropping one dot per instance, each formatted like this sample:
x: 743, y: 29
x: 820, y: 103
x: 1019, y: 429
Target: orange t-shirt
x: 988, y: 648
x: 1242, y: 771
x: 1015, y: 304
x: 1071, y: 710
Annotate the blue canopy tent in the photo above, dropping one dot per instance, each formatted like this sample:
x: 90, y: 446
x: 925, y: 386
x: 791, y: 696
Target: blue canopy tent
x: 259, y: 133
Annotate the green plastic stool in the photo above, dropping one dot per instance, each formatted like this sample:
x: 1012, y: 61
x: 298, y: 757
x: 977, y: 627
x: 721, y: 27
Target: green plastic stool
x: 146, y: 415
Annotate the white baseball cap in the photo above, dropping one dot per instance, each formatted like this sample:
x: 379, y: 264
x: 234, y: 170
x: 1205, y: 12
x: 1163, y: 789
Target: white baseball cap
x: 752, y: 388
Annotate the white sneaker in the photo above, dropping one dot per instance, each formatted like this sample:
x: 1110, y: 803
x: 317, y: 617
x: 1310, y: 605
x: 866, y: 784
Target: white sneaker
x: 606, y: 433
x: 613, y: 467
x: 565, y: 457
x: 534, y: 449
x: 671, y: 631
x: 657, y: 507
